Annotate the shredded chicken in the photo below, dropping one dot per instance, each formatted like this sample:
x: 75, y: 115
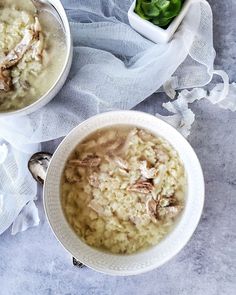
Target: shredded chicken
x: 96, y: 207
x: 166, y: 201
x: 37, y: 27
x: 38, y: 44
x: 16, y: 54
x: 93, y: 180
x: 124, y: 148
x: 89, y: 161
x: 145, y: 136
x: 161, y: 156
x: 100, y: 210
x: 163, y: 208
x: 5, y: 80
x: 120, y: 145
x: 25, y: 84
x: 121, y: 163
x: 135, y: 220
x: 38, y: 47
x: 171, y: 211
x: 152, y: 207
x: 143, y: 187
x: 113, y: 145
x: 71, y: 176
x: 146, y: 172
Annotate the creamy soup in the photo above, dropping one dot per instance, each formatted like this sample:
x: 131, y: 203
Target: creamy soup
x: 123, y: 189
x: 32, y: 54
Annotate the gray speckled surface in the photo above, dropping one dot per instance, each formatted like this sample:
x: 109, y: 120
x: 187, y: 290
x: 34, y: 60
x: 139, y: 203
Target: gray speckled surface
x: 34, y: 262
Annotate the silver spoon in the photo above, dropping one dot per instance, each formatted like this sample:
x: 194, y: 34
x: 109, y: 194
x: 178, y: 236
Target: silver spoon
x: 46, y: 6
x: 38, y: 165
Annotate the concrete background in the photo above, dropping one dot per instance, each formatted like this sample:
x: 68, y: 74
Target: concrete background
x: 34, y: 262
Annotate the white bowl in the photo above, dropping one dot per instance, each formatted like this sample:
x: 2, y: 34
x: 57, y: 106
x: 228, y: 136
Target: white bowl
x: 52, y: 92
x: 168, y: 247
x: 154, y: 32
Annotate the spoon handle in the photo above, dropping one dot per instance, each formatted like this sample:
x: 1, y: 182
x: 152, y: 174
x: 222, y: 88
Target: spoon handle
x: 77, y: 263
x: 38, y: 165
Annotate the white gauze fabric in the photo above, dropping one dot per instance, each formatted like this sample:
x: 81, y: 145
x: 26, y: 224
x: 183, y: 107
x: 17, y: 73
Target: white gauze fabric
x: 113, y: 68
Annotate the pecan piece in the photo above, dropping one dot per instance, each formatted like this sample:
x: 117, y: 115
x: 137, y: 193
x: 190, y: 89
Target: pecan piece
x: 143, y: 187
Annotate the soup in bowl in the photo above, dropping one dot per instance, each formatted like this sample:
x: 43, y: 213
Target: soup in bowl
x: 123, y: 189
x: 35, y: 55
x: 124, y: 192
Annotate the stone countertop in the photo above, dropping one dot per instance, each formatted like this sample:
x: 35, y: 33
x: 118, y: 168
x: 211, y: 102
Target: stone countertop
x: 34, y: 262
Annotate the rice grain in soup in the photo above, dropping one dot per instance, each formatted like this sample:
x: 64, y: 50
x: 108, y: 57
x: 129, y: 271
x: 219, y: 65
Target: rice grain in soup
x: 32, y: 54
x: 123, y: 189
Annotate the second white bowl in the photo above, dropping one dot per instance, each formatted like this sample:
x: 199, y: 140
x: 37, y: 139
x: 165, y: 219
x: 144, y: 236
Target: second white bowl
x: 62, y: 76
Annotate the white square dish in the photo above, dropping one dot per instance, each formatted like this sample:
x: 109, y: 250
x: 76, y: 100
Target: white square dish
x: 154, y: 32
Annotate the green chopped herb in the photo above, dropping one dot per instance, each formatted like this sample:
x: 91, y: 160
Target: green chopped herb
x: 159, y: 12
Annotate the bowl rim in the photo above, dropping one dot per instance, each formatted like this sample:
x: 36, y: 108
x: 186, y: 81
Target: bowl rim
x: 174, y: 251
x: 58, y: 84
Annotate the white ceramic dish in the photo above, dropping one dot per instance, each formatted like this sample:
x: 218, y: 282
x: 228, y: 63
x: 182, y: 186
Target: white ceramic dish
x: 155, y: 256
x: 47, y: 97
x: 153, y: 32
